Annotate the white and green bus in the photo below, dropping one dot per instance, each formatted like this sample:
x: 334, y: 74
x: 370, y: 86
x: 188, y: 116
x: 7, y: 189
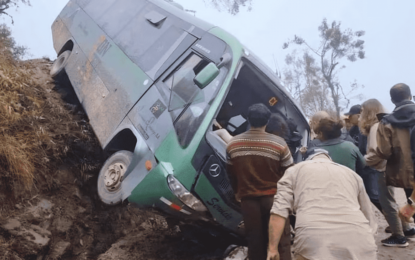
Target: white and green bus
x: 155, y: 82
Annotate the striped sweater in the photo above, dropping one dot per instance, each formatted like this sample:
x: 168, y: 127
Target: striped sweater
x: 256, y: 162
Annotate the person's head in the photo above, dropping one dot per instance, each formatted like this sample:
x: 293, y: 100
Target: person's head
x: 258, y: 115
x: 329, y: 128
x: 368, y: 117
x: 277, y: 126
x: 354, y: 114
x: 315, y: 119
x: 400, y: 92
x: 347, y: 123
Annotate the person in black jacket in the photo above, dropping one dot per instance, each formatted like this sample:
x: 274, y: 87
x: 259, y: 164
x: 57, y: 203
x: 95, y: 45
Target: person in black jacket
x: 353, y: 117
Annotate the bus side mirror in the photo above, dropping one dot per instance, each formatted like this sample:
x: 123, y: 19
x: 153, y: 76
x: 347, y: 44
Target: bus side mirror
x: 206, y: 75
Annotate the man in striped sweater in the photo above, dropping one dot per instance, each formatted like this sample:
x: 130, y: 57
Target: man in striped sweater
x: 256, y: 162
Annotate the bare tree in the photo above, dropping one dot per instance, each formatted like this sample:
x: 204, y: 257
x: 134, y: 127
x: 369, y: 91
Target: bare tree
x: 232, y: 6
x: 6, y: 4
x: 303, y: 79
x: 335, y: 45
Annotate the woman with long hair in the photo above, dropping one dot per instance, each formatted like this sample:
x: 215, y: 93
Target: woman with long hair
x: 368, y: 124
x: 374, y: 164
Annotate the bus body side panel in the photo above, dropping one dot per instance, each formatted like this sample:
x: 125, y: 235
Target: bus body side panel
x: 181, y: 159
x: 151, y: 118
x: 60, y: 34
x: 142, y: 154
x: 106, y: 81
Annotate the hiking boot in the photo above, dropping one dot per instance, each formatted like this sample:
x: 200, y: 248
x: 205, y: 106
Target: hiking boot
x: 398, y: 241
x: 409, y: 232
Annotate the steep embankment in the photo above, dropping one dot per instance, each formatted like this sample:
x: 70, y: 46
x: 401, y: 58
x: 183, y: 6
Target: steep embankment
x: 49, y: 162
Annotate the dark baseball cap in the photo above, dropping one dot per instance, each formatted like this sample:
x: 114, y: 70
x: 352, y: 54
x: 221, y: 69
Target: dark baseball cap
x: 354, y: 110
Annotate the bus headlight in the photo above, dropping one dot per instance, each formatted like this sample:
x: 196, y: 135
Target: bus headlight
x: 184, y: 195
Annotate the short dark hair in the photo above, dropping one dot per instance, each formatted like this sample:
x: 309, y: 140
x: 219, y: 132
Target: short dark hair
x: 277, y: 126
x: 329, y: 128
x: 400, y: 92
x: 258, y: 115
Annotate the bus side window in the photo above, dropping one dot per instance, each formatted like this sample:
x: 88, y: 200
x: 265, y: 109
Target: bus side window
x: 190, y: 115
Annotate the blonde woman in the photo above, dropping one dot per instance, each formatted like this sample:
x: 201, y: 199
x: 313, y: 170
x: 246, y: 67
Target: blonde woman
x: 368, y: 124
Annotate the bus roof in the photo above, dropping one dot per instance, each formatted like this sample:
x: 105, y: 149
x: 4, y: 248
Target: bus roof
x: 185, y: 16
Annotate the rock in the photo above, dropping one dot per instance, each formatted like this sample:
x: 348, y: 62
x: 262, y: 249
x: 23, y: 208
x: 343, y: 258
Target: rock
x: 143, y: 226
x: 81, y: 210
x: 45, y: 224
x: 236, y: 253
x: 12, y: 224
x: 58, y: 249
x: 123, y: 249
x: 176, y: 229
x: 62, y: 225
x: 29, y: 239
x: 42, y: 210
x: 39, y: 235
x: 77, y: 193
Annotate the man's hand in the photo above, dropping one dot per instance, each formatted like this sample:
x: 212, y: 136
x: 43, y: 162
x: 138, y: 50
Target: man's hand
x: 406, y: 212
x: 273, y: 255
x: 303, y: 150
x: 217, y: 124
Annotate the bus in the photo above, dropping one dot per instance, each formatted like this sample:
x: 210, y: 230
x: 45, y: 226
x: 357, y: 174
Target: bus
x: 155, y: 83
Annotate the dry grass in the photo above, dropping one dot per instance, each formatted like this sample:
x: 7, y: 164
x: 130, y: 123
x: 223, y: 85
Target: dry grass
x: 16, y: 148
x: 36, y: 132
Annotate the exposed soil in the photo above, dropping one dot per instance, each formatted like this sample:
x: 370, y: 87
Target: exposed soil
x: 60, y: 215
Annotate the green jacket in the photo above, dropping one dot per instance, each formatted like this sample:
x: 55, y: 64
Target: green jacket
x: 342, y: 152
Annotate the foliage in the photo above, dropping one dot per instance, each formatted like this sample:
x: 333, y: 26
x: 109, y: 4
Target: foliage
x: 232, y: 6
x: 6, y: 4
x: 336, y: 45
x: 303, y: 79
x: 9, y: 44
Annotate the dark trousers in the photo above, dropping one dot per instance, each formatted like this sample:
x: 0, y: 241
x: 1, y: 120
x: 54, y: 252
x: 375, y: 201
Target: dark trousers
x: 256, y: 214
x: 370, y: 180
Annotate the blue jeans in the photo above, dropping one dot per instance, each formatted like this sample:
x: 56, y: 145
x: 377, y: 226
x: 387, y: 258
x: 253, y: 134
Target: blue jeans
x: 390, y: 207
x: 370, y: 180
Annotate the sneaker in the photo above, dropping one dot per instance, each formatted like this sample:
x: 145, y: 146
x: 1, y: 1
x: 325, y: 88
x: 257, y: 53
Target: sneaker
x: 398, y: 241
x: 409, y: 232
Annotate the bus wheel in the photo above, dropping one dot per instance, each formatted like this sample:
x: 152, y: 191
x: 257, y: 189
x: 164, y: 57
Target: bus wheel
x: 111, y: 176
x: 59, y: 64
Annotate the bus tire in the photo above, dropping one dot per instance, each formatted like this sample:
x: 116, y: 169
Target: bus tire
x: 111, y: 176
x: 59, y: 64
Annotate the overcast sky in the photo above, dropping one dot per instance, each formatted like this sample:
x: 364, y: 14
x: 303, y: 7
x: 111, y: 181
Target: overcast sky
x: 389, y: 39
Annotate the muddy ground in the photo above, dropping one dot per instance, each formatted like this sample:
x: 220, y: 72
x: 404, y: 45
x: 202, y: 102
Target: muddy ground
x: 62, y: 218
